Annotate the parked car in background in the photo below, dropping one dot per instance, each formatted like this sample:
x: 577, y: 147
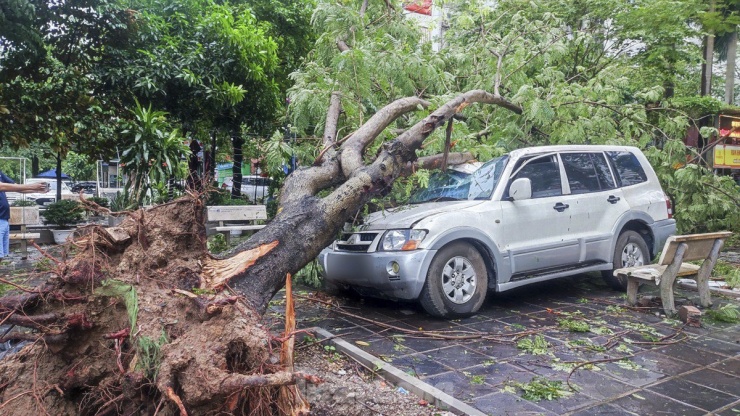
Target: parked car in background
x: 254, y: 188
x: 85, y: 187
x: 42, y: 198
x: 532, y: 215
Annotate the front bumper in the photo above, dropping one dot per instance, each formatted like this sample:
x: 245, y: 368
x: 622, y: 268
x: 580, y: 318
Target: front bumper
x: 368, y: 272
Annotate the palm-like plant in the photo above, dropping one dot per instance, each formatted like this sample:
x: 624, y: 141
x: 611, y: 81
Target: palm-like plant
x: 153, y: 154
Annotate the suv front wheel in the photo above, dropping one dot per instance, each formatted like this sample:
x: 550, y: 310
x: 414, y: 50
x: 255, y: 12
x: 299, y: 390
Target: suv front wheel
x: 630, y: 251
x: 456, y: 282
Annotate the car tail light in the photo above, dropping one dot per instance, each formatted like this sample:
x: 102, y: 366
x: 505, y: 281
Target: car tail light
x: 669, y: 206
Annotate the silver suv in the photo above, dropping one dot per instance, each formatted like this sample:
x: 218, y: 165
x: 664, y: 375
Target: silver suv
x: 532, y: 215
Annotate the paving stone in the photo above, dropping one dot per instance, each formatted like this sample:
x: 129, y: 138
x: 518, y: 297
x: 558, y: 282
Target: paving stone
x: 637, y: 376
x: 732, y: 410
x: 567, y: 404
x: 458, y: 385
x: 602, y: 410
x: 457, y: 357
x: 714, y: 379
x: 688, y: 353
x: 648, y: 403
x: 728, y: 334
x: 716, y: 346
x: 664, y: 364
x: 598, y: 385
x: 728, y: 366
x: 495, y: 350
x: 418, y: 365
x: 425, y: 344
x: 693, y: 394
x: 499, y: 374
x: 507, y: 404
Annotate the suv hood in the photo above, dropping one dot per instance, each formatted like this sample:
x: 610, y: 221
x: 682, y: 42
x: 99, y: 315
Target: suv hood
x: 407, y: 215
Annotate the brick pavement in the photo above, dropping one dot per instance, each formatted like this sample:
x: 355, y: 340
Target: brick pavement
x: 695, y: 371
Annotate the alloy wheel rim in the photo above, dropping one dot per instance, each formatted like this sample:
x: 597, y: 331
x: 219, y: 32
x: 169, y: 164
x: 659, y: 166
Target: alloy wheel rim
x: 632, y: 256
x: 459, y: 280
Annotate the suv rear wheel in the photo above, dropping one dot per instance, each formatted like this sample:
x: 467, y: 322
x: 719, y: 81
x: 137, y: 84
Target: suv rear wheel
x: 631, y: 250
x: 456, y: 282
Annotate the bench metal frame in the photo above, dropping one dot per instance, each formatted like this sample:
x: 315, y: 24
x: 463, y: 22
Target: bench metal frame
x: 677, y: 249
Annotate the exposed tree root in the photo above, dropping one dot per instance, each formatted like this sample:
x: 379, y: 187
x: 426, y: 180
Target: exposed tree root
x: 112, y: 334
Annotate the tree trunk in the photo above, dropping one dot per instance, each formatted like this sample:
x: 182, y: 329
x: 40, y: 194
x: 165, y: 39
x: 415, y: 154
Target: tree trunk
x: 34, y: 166
x: 237, y: 142
x: 730, y: 70
x: 59, y: 177
x: 708, y: 55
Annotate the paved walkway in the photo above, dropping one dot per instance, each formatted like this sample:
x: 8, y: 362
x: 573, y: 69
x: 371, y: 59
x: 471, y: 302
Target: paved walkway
x: 695, y: 371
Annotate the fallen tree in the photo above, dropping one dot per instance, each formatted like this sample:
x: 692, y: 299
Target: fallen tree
x: 142, y: 319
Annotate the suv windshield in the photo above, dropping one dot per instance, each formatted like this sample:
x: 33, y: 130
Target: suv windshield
x: 457, y: 186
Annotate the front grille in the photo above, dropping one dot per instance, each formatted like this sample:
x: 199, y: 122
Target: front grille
x: 353, y: 247
x: 356, y: 242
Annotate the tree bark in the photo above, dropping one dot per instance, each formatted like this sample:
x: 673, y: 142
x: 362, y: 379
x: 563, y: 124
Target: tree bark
x: 238, y: 142
x: 706, y: 68
x: 730, y: 70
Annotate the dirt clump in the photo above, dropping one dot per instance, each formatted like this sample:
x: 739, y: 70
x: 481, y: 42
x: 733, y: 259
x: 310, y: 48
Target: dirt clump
x: 126, y: 325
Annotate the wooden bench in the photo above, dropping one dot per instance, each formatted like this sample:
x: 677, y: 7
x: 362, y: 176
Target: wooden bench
x: 677, y: 249
x: 234, y: 213
x: 24, y: 216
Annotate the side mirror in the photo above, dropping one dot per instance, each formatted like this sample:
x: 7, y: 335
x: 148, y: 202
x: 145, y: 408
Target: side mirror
x: 520, y: 189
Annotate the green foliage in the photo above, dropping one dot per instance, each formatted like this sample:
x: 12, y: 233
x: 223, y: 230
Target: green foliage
x: 728, y: 313
x: 217, y: 243
x: 63, y: 213
x: 574, y: 325
x: 23, y: 203
x: 122, y: 202
x: 696, y: 107
x: 223, y: 197
x: 535, y: 345
x: 540, y: 388
x: 309, y: 275
x: 78, y: 167
x: 702, y: 201
x: 126, y: 292
x: 153, y: 153
x: 727, y: 271
x: 149, y: 352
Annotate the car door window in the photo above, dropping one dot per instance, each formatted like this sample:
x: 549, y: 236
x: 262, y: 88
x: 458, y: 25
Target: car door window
x: 628, y: 168
x: 587, y: 172
x: 544, y: 173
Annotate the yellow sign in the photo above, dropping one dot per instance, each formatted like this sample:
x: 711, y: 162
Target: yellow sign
x: 727, y: 156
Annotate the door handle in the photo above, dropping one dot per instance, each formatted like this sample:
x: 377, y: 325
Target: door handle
x: 560, y: 207
x: 613, y: 199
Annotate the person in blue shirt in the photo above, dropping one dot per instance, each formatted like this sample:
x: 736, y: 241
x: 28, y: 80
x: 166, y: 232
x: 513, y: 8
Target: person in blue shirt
x: 8, y: 185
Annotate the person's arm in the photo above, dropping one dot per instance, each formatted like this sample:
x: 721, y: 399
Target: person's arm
x: 23, y: 188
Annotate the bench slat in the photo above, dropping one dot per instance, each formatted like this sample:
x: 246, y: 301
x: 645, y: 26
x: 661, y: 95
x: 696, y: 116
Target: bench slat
x: 654, y: 271
x: 699, y: 246
x: 24, y: 216
x: 239, y: 228
x: 236, y: 213
x: 25, y: 236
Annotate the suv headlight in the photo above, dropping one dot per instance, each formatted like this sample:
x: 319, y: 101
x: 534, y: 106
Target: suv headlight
x: 395, y: 240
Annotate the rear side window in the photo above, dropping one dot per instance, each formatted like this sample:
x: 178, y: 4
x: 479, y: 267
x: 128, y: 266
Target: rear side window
x: 544, y: 173
x: 587, y: 172
x: 628, y: 168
